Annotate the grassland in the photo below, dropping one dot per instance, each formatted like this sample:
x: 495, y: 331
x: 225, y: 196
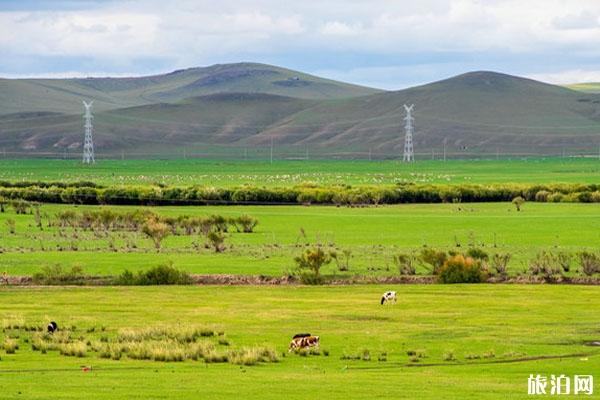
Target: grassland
x: 285, y: 173
x: 504, y: 323
x: 374, y: 235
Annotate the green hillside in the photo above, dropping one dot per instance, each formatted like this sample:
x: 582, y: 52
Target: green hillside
x: 65, y: 95
x: 474, y: 113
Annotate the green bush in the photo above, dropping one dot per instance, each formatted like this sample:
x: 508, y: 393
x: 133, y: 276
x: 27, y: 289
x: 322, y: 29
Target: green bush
x: 310, y: 262
x: 57, y: 275
x: 434, y: 258
x: 590, y: 263
x: 164, y: 274
x: 461, y: 269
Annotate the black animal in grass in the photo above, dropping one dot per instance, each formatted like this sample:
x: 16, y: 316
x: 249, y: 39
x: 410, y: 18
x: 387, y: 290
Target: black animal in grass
x: 52, y: 327
x: 299, y: 335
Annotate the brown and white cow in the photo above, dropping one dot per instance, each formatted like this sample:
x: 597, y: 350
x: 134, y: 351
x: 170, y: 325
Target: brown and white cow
x: 303, y: 342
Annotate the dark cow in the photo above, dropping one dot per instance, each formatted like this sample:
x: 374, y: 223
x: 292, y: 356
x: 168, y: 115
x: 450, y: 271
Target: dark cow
x: 297, y: 335
x: 52, y: 327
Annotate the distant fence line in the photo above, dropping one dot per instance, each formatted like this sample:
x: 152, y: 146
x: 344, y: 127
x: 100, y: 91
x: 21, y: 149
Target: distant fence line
x: 308, y: 153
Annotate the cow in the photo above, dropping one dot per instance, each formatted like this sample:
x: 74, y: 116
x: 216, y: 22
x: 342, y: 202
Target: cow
x: 388, y: 297
x: 52, y: 327
x: 304, y: 342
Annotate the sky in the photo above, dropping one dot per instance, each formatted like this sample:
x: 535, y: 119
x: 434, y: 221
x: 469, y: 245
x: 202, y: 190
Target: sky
x: 380, y: 43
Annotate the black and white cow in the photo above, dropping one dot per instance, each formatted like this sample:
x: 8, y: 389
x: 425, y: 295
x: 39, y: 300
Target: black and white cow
x: 52, y: 327
x: 388, y: 297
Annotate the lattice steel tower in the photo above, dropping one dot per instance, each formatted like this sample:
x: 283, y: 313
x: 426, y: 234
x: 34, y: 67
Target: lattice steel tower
x: 88, y: 144
x: 409, y: 154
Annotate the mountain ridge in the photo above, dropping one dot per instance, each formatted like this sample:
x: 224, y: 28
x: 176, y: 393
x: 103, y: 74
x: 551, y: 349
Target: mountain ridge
x: 472, y: 113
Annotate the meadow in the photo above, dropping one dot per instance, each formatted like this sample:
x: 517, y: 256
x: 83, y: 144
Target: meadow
x: 439, y: 341
x: 287, y: 173
x: 463, y: 341
x: 373, y: 235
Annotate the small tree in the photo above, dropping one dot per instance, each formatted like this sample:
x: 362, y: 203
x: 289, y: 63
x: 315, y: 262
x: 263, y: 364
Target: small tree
x: 518, y: 202
x: 312, y: 260
x: 216, y: 240
x: 156, y: 231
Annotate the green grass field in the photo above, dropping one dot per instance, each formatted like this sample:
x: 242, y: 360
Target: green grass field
x: 497, y: 334
x: 285, y: 173
x: 510, y: 325
x: 373, y: 234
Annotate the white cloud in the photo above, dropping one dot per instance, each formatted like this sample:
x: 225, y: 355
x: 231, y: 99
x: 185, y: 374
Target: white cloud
x: 568, y: 76
x: 197, y: 32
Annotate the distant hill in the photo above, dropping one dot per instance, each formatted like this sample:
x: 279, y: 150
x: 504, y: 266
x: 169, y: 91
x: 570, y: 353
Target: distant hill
x: 65, y: 95
x: 475, y: 113
x: 591, y: 87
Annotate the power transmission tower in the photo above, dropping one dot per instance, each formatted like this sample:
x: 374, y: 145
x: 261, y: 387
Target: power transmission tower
x: 409, y: 154
x: 88, y: 144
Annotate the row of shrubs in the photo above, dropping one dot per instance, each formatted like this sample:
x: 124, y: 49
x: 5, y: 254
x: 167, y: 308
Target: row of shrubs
x: 135, y: 220
x: 303, y: 194
x: 164, y: 274
x: 473, y: 266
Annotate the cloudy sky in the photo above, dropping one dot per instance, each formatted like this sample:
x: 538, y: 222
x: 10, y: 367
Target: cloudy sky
x: 382, y: 43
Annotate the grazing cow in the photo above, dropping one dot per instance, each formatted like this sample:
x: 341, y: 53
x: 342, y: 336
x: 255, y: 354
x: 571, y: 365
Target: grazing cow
x: 388, y: 297
x: 52, y: 327
x: 303, y: 342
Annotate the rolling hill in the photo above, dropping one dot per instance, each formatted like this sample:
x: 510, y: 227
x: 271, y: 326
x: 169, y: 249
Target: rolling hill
x: 474, y: 113
x: 64, y: 95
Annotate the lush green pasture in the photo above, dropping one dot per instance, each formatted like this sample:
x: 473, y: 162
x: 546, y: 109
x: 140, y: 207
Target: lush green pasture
x: 284, y: 173
x: 373, y: 234
x: 507, y: 324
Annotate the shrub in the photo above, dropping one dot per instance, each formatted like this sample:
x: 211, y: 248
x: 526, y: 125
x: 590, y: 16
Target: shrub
x: 461, y: 269
x: 405, y: 264
x: 449, y: 356
x: 216, y: 240
x: 434, y: 258
x: 77, y: 349
x: 252, y: 355
x: 10, y: 223
x: 57, y: 275
x: 343, y: 260
x: 10, y: 345
x: 499, y: 263
x: 590, y: 263
x: 164, y: 274
x: 246, y: 222
x: 564, y: 260
x: 545, y: 265
x: 156, y: 231
x: 310, y: 262
x: 477, y: 254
